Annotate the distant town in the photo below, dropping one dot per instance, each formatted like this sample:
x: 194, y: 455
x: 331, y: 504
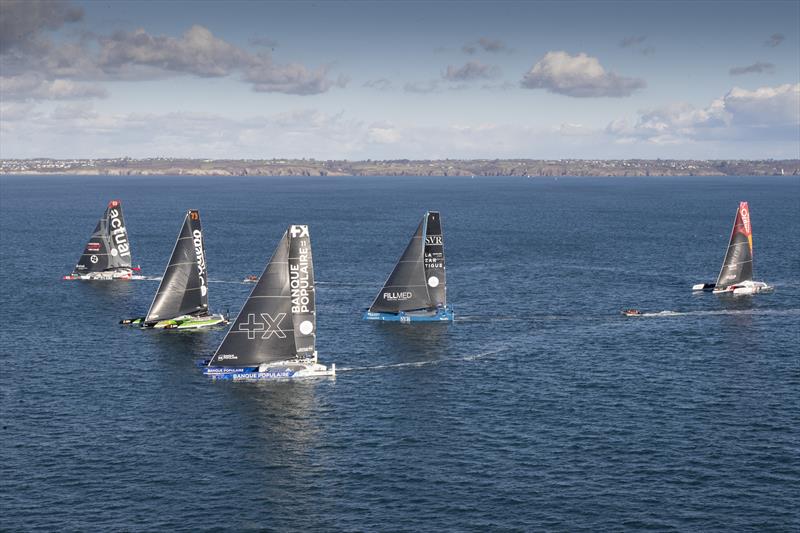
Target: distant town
x: 164, y: 166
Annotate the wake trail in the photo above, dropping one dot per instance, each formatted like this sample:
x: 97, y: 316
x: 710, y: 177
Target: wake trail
x: 470, y: 357
x: 668, y: 314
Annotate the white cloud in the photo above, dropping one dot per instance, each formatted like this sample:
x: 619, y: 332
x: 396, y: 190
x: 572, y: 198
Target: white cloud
x: 579, y: 76
x: 756, y: 68
x: 758, y: 115
x: 33, y: 87
x: 470, y: 71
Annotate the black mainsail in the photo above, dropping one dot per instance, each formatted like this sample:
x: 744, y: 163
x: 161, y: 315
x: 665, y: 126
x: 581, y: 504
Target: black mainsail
x: 434, y: 260
x: 418, y: 279
x: 184, y: 286
x: 738, y: 264
x: 278, y: 320
x: 108, y: 247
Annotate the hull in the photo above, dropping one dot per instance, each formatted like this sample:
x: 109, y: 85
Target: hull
x: 745, y: 288
x: 273, y: 371
x: 183, y: 322
x: 123, y: 274
x: 704, y: 287
x: 444, y: 314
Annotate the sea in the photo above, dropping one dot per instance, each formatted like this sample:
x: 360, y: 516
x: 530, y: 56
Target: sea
x: 541, y: 408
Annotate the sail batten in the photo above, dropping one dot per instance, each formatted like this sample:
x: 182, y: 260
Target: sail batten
x: 278, y: 320
x: 184, y: 286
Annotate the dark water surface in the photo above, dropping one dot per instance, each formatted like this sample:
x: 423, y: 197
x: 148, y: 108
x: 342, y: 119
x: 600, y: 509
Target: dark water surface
x: 540, y: 408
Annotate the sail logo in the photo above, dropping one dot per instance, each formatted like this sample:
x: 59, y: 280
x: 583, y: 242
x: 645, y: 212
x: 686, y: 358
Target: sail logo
x: 745, y: 214
x: 398, y: 296
x: 201, y: 259
x: 119, y: 234
x: 300, y: 280
x: 269, y: 327
x: 435, y: 240
x: 298, y: 231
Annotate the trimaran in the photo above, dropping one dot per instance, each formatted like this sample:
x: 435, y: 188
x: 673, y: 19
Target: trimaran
x: 274, y: 336
x: 107, y: 255
x: 181, y: 301
x: 416, y: 290
x: 736, y: 275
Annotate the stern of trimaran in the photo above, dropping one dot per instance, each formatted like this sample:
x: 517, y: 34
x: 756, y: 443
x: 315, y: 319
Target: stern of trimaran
x: 736, y: 275
x: 274, y: 336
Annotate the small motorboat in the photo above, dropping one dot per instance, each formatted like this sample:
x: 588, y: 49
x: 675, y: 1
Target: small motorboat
x: 250, y: 279
x: 631, y: 312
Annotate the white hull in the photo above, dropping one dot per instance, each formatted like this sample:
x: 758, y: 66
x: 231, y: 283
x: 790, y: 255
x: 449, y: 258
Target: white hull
x: 102, y: 276
x: 746, y: 288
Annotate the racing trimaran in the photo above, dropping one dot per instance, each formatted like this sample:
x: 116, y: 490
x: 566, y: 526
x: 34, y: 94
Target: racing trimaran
x: 416, y: 290
x: 274, y: 336
x: 736, y: 275
x: 107, y: 255
x: 181, y: 301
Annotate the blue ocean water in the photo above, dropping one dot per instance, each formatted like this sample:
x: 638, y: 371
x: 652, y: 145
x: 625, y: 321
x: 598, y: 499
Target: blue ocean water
x: 540, y: 408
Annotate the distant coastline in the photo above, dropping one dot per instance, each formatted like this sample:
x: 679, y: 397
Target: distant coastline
x: 401, y: 167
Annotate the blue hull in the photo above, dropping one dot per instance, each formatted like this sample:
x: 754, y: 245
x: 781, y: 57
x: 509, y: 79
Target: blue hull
x: 246, y: 374
x: 439, y: 315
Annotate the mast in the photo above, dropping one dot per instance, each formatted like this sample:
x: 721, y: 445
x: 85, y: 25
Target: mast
x: 738, y: 263
x: 184, y: 287
x: 406, y: 288
x: 108, y: 247
x: 278, y: 320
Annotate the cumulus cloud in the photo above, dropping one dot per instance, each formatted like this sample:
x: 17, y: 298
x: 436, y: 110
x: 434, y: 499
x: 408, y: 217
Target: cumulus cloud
x: 33, y: 87
x: 470, y: 71
x: 741, y: 113
x: 579, y: 76
x: 756, y: 68
x: 197, y: 52
x: 774, y: 40
x: 22, y: 21
x: 27, y: 50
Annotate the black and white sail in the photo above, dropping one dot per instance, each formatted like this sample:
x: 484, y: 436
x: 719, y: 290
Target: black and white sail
x: 434, y: 260
x: 738, y: 264
x: 108, y: 247
x: 418, y: 279
x: 184, y: 286
x: 278, y: 320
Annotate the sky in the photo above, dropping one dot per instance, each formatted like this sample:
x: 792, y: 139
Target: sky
x: 393, y: 80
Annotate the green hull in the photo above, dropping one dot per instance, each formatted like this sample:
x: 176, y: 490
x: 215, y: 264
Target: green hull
x: 181, y: 322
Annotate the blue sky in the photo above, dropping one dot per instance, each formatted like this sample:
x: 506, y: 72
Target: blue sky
x: 377, y: 80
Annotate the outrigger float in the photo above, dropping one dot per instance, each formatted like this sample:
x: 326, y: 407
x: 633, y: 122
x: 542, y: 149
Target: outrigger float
x: 416, y: 290
x: 181, y: 301
x: 274, y: 336
x: 107, y: 255
x: 736, y: 275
